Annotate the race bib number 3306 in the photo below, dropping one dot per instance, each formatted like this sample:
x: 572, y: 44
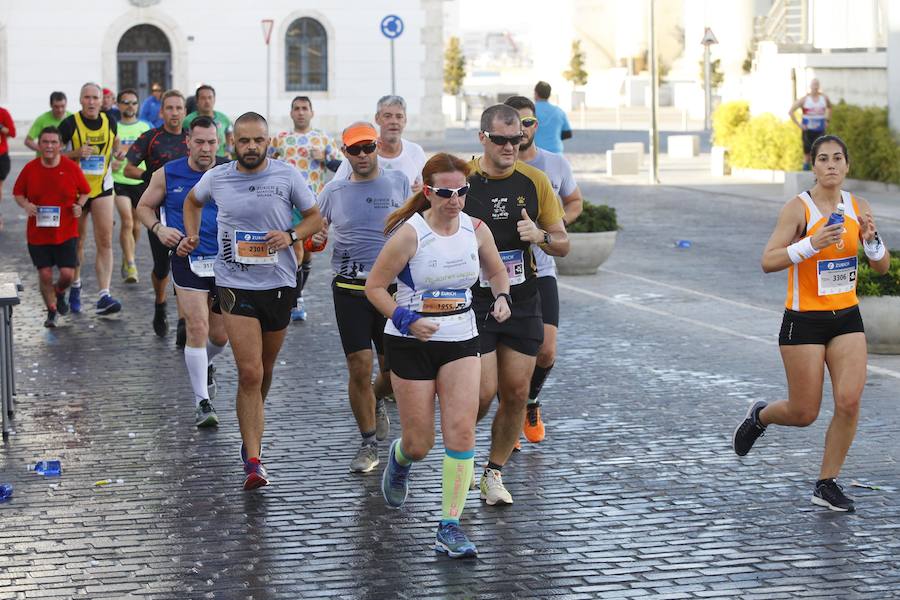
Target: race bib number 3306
x: 836, y: 276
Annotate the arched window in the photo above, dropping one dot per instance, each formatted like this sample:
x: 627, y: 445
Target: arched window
x: 306, y: 56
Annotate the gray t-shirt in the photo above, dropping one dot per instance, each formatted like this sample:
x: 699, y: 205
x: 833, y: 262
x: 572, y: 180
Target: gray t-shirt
x: 356, y: 212
x: 559, y: 172
x: 250, y: 205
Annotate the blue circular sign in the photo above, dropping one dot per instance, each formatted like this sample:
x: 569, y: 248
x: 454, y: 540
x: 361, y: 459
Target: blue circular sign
x: 392, y: 26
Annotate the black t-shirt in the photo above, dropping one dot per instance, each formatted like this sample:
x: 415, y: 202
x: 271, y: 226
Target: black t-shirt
x: 67, y: 126
x: 156, y: 147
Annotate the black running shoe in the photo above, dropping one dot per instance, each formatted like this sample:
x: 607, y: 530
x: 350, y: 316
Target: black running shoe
x: 748, y: 431
x: 62, y: 307
x: 160, y: 320
x: 831, y: 495
x: 180, y: 335
x: 51, y: 319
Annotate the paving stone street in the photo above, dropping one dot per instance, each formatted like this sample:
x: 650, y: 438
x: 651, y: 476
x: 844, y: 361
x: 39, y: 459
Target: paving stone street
x: 635, y: 492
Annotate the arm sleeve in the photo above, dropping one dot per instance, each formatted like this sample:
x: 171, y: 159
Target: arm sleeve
x: 301, y: 197
x: 549, y: 210
x: 567, y: 185
x: 204, y: 187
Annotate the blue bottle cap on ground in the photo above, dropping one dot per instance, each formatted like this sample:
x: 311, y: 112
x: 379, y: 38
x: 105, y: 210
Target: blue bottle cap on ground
x: 683, y: 243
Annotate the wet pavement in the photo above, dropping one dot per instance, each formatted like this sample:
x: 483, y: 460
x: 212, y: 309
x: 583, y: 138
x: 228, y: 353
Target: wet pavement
x: 635, y: 492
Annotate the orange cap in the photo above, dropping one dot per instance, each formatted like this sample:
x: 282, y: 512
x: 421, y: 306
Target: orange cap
x: 359, y: 133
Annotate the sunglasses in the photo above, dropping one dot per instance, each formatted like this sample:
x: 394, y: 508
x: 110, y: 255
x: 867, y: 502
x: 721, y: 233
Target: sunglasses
x: 156, y: 90
x: 448, y: 192
x: 502, y: 140
x: 129, y: 102
x: 356, y: 149
x: 529, y: 122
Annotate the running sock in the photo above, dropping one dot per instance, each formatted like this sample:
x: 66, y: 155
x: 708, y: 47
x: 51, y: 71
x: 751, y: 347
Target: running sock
x: 103, y: 292
x: 537, y: 382
x: 195, y: 360
x: 160, y: 307
x: 458, y: 467
x: 303, y: 275
x: 76, y: 283
x: 213, y: 351
x: 399, y: 456
x: 369, y: 438
x: 494, y: 466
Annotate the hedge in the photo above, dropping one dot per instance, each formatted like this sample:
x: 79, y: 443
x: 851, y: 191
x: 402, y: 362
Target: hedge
x: 594, y: 218
x: 765, y: 142
x: 726, y: 120
x: 874, y: 155
x: 870, y: 283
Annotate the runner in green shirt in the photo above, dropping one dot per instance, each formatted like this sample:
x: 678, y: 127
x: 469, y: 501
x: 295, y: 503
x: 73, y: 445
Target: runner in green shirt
x: 206, y: 104
x: 52, y: 117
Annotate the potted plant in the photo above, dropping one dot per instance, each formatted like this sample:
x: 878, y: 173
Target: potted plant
x: 879, y: 303
x: 592, y: 238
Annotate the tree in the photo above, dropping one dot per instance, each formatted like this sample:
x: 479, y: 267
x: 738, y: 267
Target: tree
x: 718, y: 77
x: 454, y: 67
x: 576, y: 73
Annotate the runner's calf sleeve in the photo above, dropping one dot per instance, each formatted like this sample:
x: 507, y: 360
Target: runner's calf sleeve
x: 537, y: 381
x: 457, y: 471
x: 400, y: 457
x: 303, y: 275
x: 213, y: 351
x: 196, y: 363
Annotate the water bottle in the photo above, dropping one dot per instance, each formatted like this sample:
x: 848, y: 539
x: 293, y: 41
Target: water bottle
x: 6, y: 491
x: 837, y: 216
x: 310, y: 246
x: 48, y: 468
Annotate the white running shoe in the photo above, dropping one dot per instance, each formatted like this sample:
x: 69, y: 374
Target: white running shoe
x: 492, y: 488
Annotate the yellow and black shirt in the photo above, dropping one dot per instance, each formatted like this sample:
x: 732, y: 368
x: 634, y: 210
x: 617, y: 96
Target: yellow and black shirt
x: 499, y: 203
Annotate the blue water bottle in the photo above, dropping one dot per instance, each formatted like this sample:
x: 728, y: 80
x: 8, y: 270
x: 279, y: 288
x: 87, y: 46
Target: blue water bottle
x: 837, y: 216
x: 6, y: 491
x: 48, y: 468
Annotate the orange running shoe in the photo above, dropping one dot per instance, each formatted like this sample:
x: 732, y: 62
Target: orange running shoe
x: 534, y: 427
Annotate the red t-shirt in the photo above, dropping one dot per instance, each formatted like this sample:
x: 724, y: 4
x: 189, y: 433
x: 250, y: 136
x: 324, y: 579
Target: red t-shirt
x: 7, y: 122
x: 57, y: 186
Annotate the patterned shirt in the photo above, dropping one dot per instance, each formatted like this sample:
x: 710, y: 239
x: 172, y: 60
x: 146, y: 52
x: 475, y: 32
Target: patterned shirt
x: 295, y: 148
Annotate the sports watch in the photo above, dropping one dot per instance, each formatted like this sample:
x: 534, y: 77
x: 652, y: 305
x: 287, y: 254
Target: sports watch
x: 293, y: 234
x: 547, y: 238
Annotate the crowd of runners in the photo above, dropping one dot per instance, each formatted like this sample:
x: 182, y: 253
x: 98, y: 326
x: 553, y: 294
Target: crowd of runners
x: 443, y: 276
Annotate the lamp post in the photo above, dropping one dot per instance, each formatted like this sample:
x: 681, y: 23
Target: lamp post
x: 654, y: 89
x: 708, y: 40
x: 267, y: 25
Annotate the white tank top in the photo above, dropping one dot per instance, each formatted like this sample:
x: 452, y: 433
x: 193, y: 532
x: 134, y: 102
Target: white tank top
x: 437, y: 280
x: 814, y: 112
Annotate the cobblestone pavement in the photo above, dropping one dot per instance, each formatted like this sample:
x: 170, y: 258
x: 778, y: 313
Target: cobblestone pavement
x: 635, y: 493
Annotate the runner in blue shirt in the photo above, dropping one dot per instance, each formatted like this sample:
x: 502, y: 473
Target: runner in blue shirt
x: 554, y: 124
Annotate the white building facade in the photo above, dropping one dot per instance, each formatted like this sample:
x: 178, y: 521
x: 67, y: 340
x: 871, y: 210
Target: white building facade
x: 333, y: 52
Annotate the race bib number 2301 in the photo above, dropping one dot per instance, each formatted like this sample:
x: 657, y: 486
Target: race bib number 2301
x: 251, y: 248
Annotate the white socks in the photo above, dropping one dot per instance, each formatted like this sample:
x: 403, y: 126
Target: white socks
x: 197, y: 363
x: 212, y: 351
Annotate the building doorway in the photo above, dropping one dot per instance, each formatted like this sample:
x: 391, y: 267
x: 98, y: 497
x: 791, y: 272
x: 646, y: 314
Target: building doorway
x: 144, y: 58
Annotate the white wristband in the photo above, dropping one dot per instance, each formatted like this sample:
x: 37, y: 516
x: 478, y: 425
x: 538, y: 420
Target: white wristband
x: 875, y: 249
x: 800, y: 251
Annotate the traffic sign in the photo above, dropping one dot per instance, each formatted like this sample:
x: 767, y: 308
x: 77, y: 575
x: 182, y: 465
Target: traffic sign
x: 392, y: 26
x: 267, y: 25
x: 708, y: 38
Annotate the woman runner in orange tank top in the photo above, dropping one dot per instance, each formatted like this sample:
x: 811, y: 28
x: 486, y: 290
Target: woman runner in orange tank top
x: 822, y: 325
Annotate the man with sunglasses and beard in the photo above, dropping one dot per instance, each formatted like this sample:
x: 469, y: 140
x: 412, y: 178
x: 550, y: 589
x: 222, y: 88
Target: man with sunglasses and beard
x: 559, y: 171
x: 512, y: 198
x: 356, y: 209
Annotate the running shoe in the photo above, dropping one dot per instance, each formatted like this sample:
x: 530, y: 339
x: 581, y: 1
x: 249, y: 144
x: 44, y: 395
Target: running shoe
x: 211, y: 386
x: 534, y: 426
x: 365, y: 460
x: 129, y: 273
x: 452, y: 541
x: 206, y: 415
x: 830, y: 494
x: 160, y: 320
x: 50, y: 322
x: 107, y: 305
x: 492, y: 488
x: 298, y: 313
x: 748, y: 431
x: 395, y: 480
x: 180, y: 334
x: 75, y: 299
x: 122, y: 271
x: 256, y: 474
x: 62, y: 307
x: 518, y: 446
x: 390, y: 397
x: 382, y: 422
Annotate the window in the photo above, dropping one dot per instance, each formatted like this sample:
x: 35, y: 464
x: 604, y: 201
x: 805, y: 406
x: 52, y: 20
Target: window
x: 306, y: 56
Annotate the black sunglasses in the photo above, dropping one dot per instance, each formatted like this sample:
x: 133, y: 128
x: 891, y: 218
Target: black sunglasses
x: 529, y: 122
x: 448, y: 192
x: 134, y: 102
x: 502, y: 140
x: 356, y: 149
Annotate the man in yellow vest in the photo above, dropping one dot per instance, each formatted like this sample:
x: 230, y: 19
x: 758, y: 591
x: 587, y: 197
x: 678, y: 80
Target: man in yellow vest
x: 91, y: 138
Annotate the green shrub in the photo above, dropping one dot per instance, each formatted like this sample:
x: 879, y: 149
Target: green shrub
x: 765, y: 142
x: 874, y: 155
x: 726, y: 121
x: 870, y: 283
x: 594, y: 218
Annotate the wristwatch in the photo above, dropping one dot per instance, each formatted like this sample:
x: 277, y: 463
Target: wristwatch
x: 293, y: 234
x: 547, y: 239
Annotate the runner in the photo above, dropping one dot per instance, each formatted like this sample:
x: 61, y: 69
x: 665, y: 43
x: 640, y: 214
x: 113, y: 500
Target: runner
x: 394, y: 152
x: 559, y: 171
x: 506, y: 194
x: 556, y: 126
x: 154, y: 148
x: 128, y: 191
x: 255, y: 269
x: 431, y: 339
x: 7, y: 130
x: 152, y: 106
x: 92, y: 139
x: 108, y: 105
x: 206, y: 107
x: 52, y: 190
x: 356, y: 209
x: 313, y: 153
x: 192, y: 274
x: 822, y: 325
x: 51, y: 118
x: 816, y: 109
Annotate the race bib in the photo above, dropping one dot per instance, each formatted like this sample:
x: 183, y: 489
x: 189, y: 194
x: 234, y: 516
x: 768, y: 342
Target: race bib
x: 251, y: 248
x: 202, y: 266
x: 836, y: 276
x: 442, y: 301
x: 93, y: 165
x: 514, y: 262
x: 47, y: 216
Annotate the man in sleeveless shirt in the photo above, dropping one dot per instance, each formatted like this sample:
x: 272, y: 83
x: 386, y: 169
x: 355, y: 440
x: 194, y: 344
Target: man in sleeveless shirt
x: 816, y: 113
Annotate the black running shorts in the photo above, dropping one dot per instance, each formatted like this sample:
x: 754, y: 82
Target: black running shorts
x: 132, y: 191
x: 818, y: 327
x: 272, y: 308
x: 359, y: 323
x: 409, y: 358
x: 62, y: 255
x: 549, y: 300
x: 5, y: 166
x: 523, y: 331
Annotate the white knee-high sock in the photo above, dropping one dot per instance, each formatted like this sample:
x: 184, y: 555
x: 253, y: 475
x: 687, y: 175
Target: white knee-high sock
x: 213, y: 351
x: 195, y: 360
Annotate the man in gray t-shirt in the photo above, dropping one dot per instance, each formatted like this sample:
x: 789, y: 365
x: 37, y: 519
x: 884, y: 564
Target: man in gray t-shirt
x: 356, y: 210
x: 255, y: 267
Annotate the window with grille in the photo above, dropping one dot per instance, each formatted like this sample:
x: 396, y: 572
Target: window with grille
x: 306, y: 56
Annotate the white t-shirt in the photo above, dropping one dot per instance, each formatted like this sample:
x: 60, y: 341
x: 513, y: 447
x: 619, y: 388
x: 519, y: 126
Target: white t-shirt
x: 410, y: 161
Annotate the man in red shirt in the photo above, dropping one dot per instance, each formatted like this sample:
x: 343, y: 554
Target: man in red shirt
x: 52, y: 190
x: 7, y: 130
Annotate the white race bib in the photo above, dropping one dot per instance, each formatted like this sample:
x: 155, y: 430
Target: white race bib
x: 202, y: 266
x: 93, y: 165
x: 836, y: 276
x: 251, y: 248
x: 514, y: 262
x: 442, y: 301
x: 47, y: 216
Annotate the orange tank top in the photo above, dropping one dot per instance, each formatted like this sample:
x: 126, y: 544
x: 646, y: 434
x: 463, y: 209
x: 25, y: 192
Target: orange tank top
x: 826, y: 281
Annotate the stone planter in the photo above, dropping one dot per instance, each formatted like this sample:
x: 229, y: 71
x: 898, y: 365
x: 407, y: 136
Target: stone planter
x: 588, y: 251
x: 881, y: 317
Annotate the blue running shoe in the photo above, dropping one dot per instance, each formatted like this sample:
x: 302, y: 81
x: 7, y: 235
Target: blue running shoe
x: 452, y: 541
x: 107, y: 305
x: 298, y: 313
x: 256, y: 474
x: 75, y: 299
x: 395, y: 480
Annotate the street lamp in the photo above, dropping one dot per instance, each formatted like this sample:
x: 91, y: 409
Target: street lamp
x: 708, y: 40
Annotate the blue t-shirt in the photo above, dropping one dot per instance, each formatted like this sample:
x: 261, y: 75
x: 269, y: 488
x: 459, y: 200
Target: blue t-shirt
x: 552, y: 121
x: 150, y: 111
x: 180, y: 179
